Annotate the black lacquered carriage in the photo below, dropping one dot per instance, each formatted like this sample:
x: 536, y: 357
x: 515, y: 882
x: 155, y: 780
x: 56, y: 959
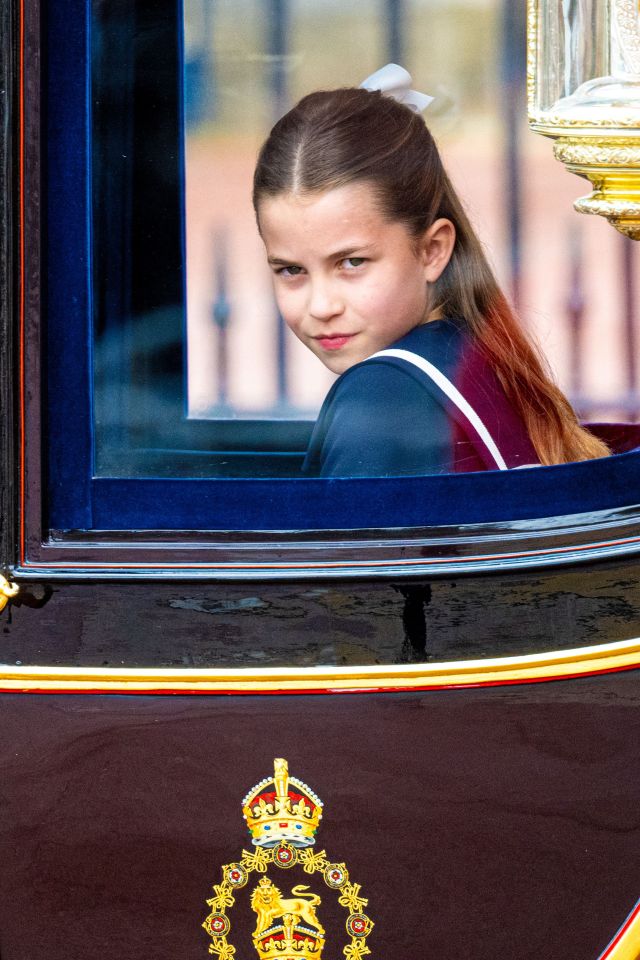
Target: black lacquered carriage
x: 386, y: 717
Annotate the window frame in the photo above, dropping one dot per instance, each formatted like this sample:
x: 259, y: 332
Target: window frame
x: 606, y: 526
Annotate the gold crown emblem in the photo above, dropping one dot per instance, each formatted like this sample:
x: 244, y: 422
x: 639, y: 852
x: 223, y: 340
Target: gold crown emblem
x: 283, y: 815
x: 282, y: 808
x: 286, y: 929
x: 289, y: 941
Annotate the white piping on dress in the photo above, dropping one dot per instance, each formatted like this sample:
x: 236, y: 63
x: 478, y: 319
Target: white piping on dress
x: 452, y: 393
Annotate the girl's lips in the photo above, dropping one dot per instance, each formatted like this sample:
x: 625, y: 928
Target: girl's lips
x: 334, y: 343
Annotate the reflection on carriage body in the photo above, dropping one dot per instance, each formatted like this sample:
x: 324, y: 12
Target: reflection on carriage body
x: 433, y: 683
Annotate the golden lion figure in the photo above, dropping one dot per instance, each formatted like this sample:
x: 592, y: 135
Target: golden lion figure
x: 267, y: 902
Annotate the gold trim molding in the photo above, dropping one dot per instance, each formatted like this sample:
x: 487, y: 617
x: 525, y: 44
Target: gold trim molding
x: 8, y: 590
x: 626, y: 943
x: 566, y: 664
x: 613, y: 167
x: 551, y: 124
x: 622, y: 152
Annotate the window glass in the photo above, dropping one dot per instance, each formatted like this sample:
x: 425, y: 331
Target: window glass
x: 245, y: 63
x: 194, y: 372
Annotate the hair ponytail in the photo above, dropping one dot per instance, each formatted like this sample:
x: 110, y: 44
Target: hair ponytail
x: 467, y: 288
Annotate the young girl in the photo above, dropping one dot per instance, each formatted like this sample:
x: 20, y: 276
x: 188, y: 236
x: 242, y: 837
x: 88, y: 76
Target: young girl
x: 378, y: 271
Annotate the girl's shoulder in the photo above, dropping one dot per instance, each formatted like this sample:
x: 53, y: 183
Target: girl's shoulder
x: 442, y: 342
x: 381, y: 382
x: 380, y: 419
x: 388, y: 391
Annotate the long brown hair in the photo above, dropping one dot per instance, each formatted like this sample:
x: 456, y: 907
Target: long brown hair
x: 332, y: 138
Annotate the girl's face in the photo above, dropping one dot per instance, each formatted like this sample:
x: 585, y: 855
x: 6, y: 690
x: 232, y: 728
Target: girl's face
x: 347, y: 281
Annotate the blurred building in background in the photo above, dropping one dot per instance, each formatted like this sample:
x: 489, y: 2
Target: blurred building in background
x: 247, y: 61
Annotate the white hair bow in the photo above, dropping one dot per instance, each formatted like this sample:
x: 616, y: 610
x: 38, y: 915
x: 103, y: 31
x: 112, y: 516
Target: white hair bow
x: 394, y: 81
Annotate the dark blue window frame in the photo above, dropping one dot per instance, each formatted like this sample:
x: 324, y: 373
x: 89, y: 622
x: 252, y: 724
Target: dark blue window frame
x: 80, y: 500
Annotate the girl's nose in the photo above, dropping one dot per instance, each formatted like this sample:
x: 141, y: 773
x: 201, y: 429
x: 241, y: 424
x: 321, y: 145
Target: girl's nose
x: 324, y: 302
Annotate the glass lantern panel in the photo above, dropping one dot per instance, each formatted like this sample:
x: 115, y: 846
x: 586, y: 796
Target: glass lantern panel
x: 588, y: 66
x: 577, y: 43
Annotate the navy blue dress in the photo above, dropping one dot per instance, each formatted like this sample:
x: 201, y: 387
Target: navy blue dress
x: 384, y: 418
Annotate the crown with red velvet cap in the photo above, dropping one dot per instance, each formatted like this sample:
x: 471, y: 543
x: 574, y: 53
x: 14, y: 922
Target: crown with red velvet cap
x: 282, y: 808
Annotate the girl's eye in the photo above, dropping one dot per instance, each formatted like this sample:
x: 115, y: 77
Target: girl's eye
x: 290, y: 271
x: 351, y: 263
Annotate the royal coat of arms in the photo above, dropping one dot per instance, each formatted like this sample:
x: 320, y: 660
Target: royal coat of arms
x: 283, y: 814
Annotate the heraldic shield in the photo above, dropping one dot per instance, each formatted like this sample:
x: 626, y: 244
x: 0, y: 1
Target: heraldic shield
x: 283, y: 815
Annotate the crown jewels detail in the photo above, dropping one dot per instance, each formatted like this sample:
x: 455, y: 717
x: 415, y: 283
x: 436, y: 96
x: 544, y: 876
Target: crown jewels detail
x: 283, y: 814
x: 282, y: 808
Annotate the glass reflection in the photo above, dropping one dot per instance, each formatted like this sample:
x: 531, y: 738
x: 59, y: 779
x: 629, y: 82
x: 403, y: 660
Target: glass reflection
x: 182, y: 96
x: 246, y: 63
x: 589, y: 69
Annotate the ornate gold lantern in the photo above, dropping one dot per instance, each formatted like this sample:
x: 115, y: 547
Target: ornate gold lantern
x: 584, y: 91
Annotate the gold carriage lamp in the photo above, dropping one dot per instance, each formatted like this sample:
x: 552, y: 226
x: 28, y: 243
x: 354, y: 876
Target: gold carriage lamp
x: 584, y: 91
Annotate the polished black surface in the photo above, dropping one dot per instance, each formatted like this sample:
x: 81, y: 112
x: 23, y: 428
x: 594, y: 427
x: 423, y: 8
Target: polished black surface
x: 157, y: 624
x: 480, y: 823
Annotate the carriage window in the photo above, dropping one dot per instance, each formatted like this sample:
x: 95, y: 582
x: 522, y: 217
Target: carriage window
x: 194, y: 370
x: 191, y: 372
x: 195, y: 373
